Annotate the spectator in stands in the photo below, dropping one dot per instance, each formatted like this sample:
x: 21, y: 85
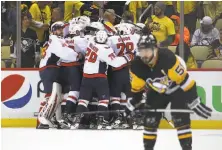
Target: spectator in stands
x: 72, y: 9
x: 30, y: 47
x: 127, y: 17
x: 212, y: 9
x: 188, y: 57
x: 41, y: 12
x: 57, y: 15
x: 190, y: 14
x: 4, y: 24
x: 169, y: 9
x: 161, y: 26
x: 216, y: 48
x: 135, y: 7
x: 109, y: 16
x: 206, y: 34
x: 176, y: 21
x: 11, y: 22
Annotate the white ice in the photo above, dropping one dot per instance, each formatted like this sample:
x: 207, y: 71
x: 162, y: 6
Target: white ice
x: 32, y: 139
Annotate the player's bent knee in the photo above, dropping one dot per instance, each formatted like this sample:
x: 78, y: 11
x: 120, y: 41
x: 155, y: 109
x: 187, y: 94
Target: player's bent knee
x: 180, y: 120
x: 151, y: 121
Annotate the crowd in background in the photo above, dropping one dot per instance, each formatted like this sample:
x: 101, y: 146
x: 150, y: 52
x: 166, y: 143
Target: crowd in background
x: 202, y: 24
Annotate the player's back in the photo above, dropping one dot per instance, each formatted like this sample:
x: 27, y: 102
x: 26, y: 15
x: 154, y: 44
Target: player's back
x: 55, y: 50
x: 94, y: 64
x: 81, y: 43
x: 124, y: 43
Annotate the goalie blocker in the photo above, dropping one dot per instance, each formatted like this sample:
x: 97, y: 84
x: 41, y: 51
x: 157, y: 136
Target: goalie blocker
x: 164, y: 78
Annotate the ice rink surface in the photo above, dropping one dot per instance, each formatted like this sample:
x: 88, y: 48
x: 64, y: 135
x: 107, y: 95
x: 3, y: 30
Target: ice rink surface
x: 32, y: 139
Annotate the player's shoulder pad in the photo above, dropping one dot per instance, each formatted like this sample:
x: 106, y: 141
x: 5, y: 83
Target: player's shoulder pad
x: 167, y: 58
x: 140, y: 69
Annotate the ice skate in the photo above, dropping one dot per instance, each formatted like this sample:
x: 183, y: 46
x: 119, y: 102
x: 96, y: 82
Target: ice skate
x: 103, y: 124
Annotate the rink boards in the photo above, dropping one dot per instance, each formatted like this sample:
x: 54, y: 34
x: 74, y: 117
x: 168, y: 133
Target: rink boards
x: 22, y: 93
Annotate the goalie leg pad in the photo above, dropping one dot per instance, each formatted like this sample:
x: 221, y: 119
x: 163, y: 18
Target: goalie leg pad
x: 49, y: 109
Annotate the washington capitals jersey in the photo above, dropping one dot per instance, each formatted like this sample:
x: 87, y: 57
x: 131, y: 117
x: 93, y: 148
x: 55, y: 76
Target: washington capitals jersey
x: 98, y: 56
x: 56, y: 50
x: 123, y: 44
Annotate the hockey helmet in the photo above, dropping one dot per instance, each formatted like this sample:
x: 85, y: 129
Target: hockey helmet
x: 147, y: 47
x: 124, y: 29
x: 101, y: 37
x: 83, y: 21
x: 57, y: 25
x: 75, y: 29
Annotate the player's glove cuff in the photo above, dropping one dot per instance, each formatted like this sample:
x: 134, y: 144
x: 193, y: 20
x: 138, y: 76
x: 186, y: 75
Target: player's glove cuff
x: 200, y: 109
x: 129, y: 57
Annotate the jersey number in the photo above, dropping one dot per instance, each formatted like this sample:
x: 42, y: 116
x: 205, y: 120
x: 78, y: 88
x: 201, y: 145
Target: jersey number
x: 180, y: 70
x: 91, y: 56
x: 122, y: 46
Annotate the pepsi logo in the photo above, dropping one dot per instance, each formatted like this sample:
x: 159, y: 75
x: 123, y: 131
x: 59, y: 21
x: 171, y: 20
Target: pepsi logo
x: 16, y: 91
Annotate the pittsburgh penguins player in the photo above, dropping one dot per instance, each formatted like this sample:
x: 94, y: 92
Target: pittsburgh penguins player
x: 164, y: 78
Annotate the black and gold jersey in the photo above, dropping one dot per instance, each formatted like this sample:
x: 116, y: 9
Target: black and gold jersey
x: 168, y: 70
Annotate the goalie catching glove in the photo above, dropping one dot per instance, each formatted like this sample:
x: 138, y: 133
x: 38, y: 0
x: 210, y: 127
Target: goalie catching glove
x: 200, y: 109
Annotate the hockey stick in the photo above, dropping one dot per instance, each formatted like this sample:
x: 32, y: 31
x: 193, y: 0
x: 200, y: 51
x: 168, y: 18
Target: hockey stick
x: 148, y: 110
x: 142, y: 110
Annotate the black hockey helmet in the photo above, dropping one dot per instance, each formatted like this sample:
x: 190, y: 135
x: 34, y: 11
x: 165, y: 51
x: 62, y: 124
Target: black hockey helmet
x: 146, y: 47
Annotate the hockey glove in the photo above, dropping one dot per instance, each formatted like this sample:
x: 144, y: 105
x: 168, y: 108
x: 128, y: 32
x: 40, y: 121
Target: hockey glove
x: 129, y: 108
x: 200, y: 109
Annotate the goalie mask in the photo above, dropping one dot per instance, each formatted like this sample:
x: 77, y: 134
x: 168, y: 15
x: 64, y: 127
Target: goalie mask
x: 147, y: 47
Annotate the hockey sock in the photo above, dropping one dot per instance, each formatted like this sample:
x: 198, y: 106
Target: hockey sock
x: 149, y: 138
x: 115, y: 105
x: 63, y: 105
x: 185, y: 137
x: 103, y: 106
x: 70, y: 107
x: 82, y: 106
x: 71, y: 101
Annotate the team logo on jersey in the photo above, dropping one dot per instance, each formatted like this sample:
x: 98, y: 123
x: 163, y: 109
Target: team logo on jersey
x: 26, y: 43
x: 16, y: 91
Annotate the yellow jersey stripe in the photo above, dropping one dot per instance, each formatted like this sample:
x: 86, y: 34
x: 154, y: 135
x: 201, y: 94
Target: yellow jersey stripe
x: 149, y: 137
x: 185, y: 136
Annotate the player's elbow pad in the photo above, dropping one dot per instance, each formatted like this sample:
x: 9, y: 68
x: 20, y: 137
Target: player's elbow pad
x: 187, y: 83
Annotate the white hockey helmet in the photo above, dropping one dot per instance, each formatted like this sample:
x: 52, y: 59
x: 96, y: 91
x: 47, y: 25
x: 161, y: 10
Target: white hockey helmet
x: 97, y: 25
x: 74, y: 21
x: 83, y: 21
x: 101, y: 37
x: 75, y: 29
x: 125, y: 29
x: 57, y: 25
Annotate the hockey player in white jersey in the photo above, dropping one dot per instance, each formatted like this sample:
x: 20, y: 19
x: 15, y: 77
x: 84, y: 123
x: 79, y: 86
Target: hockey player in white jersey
x: 72, y: 71
x: 55, y: 50
x: 98, y: 56
x: 124, y: 42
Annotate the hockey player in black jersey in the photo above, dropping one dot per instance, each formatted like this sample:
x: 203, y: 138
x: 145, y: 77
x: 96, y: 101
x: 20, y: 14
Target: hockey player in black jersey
x: 164, y: 78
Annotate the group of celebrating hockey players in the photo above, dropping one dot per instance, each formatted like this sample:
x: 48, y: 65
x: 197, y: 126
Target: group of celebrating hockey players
x: 100, y: 70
